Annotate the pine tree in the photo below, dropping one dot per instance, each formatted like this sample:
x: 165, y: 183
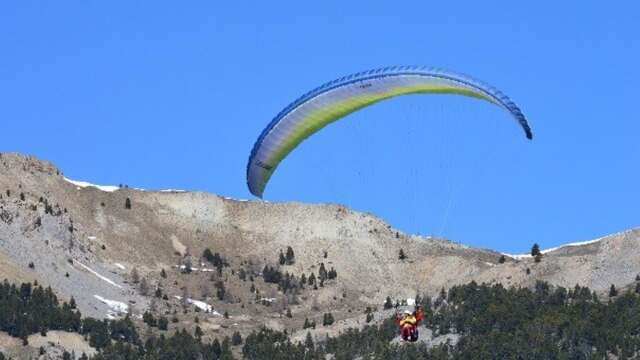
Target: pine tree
x: 127, y: 204
x: 290, y: 257
x: 443, y: 293
x: 198, y: 332
x: 236, y: 339
x: 163, y: 274
x: 148, y: 319
x: 220, y: 290
x: 226, y: 353
x: 613, y: 292
x: 418, y: 300
x: 185, y: 298
x: 401, y: 255
x: 208, y: 255
x: 144, y: 287
x: 309, y: 324
x: 388, y: 304
x: 535, y: 249
x: 163, y: 323
x: 369, y: 317
x: 327, y: 319
x: 322, y: 272
x: 332, y: 274
x: 135, y: 277
x: 308, y: 342
x: 502, y: 259
x: 281, y: 259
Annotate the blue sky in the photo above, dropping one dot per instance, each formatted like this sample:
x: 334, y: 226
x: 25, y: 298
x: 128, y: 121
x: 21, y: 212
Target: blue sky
x: 158, y: 95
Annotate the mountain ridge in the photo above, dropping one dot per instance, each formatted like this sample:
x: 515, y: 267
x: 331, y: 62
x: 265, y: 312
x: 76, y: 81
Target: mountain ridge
x: 85, y: 243
x: 111, y: 188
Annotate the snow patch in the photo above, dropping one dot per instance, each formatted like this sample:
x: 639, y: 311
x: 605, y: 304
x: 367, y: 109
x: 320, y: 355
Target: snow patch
x: 104, y: 278
x: 84, y: 184
x: 173, y: 191
x: 545, y: 251
x: 232, y: 199
x: 517, y: 257
x: 200, y: 305
x: 120, y: 266
x: 571, y: 244
x: 91, y: 237
x: 117, y: 307
x: 411, y: 302
x: 184, y: 267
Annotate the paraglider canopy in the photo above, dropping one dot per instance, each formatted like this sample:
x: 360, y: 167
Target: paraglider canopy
x: 341, y: 97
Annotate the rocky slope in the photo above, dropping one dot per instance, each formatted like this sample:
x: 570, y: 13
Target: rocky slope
x: 84, y: 241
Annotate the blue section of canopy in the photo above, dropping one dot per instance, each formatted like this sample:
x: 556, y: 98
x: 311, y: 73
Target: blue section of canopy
x: 490, y: 93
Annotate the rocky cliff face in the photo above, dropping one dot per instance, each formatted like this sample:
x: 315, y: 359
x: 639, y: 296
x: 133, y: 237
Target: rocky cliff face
x: 84, y: 242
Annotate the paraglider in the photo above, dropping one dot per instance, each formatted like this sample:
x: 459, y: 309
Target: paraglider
x: 408, y: 323
x: 341, y: 97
